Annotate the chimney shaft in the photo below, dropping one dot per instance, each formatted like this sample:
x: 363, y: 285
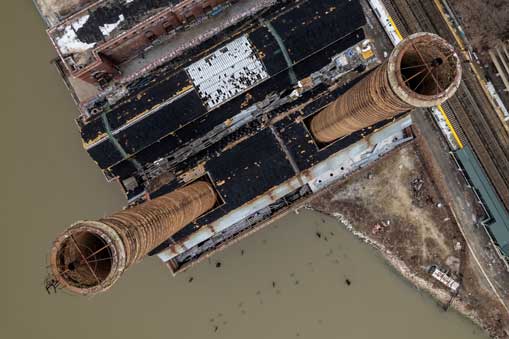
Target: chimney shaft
x: 90, y: 256
x: 422, y: 71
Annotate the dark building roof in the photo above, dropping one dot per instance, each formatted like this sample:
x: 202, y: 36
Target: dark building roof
x: 172, y: 110
x: 168, y: 113
x: 103, y: 21
x: 186, y: 100
x: 498, y: 225
x: 108, y: 13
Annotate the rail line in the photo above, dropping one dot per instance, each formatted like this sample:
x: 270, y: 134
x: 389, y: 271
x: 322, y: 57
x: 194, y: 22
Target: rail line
x: 391, y: 19
x: 469, y: 111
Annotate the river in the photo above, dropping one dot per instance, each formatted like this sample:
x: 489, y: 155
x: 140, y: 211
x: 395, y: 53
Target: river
x: 283, y: 282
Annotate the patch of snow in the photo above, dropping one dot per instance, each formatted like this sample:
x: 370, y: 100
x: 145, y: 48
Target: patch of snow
x: 228, y: 71
x: 69, y: 43
x: 108, y: 28
x: 444, y: 127
x: 498, y: 100
x: 80, y: 22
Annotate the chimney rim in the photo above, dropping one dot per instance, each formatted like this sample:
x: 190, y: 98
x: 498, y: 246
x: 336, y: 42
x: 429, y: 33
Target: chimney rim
x: 403, y: 91
x: 101, y: 231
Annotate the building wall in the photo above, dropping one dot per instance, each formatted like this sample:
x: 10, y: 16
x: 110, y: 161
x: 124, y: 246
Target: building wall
x: 132, y: 42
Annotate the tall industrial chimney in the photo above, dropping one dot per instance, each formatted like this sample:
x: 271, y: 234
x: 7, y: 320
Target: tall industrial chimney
x: 90, y: 256
x: 422, y: 71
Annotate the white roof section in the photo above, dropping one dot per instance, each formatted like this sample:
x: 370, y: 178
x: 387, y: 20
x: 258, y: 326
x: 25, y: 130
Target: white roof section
x: 108, y: 28
x: 227, y: 72
x: 68, y: 41
x: 446, y: 280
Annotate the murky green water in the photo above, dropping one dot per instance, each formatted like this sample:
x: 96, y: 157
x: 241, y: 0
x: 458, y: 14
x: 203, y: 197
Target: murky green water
x: 286, y: 284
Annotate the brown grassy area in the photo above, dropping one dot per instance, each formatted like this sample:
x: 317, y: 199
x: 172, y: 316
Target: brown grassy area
x: 397, y: 205
x: 61, y: 7
x: 484, y: 21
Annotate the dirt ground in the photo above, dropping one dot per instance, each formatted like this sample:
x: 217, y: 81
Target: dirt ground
x: 484, y: 21
x: 60, y: 8
x: 396, y: 206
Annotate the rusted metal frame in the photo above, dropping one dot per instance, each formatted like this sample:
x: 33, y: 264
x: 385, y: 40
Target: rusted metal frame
x: 98, y: 251
x: 447, y: 58
x: 422, y: 58
x: 415, y: 75
x: 91, y: 255
x: 99, y: 260
x: 421, y: 65
x: 416, y: 66
x: 83, y: 258
x: 422, y: 80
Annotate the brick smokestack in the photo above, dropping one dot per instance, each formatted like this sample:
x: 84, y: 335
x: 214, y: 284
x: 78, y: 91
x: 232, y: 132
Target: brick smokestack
x: 90, y: 256
x: 422, y: 71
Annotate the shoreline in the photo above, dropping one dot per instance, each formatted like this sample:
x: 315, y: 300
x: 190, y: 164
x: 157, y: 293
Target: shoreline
x: 398, y: 207
x: 406, y: 272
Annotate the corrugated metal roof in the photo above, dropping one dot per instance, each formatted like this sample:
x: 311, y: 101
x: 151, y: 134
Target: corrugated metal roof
x: 227, y: 72
x: 499, y: 226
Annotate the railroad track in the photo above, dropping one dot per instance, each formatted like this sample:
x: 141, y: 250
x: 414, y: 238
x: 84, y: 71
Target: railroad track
x: 397, y: 14
x: 454, y: 122
x: 483, y: 151
x: 469, y: 111
x: 404, y: 17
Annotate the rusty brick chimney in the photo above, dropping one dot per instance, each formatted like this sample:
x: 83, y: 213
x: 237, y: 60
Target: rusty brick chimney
x: 422, y: 71
x: 90, y: 256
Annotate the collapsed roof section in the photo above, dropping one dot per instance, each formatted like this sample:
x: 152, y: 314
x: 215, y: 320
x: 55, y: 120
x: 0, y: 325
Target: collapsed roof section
x: 94, y: 41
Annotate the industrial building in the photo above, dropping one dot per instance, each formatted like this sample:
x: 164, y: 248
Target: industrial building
x: 94, y: 41
x: 256, y: 119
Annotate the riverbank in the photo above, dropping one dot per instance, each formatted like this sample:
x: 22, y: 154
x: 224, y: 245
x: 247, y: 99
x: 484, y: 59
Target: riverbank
x: 396, y: 207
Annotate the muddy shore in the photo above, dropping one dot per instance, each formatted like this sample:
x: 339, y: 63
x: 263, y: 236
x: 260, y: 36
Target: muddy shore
x: 396, y: 207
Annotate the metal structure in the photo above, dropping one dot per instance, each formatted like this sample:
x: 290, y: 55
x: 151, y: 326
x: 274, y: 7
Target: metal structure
x: 233, y: 105
x: 497, y: 221
x: 94, y: 41
x: 90, y: 256
x: 422, y: 71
